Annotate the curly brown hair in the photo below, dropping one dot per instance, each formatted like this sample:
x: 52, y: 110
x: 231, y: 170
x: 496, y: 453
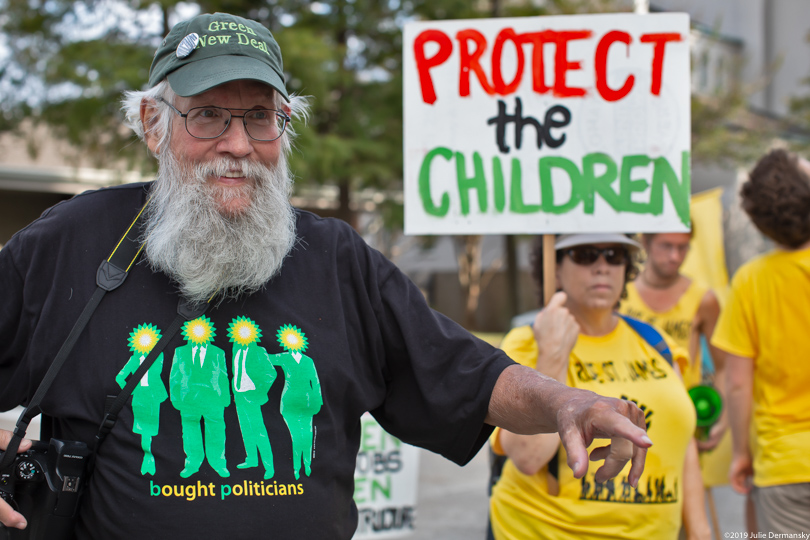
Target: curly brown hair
x: 536, y: 259
x: 776, y: 197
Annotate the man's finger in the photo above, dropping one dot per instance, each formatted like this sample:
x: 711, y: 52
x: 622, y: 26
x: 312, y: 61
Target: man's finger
x: 639, y: 452
x: 625, y: 428
x: 609, y: 469
x: 576, y: 450
x: 598, y: 454
x: 637, y: 465
x: 10, y: 518
x: 619, y: 453
x: 636, y: 461
x: 5, y: 438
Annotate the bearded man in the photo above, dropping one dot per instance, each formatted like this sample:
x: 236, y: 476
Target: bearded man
x: 217, y: 115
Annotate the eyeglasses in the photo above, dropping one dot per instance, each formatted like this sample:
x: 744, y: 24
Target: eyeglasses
x: 587, y: 255
x: 211, y: 122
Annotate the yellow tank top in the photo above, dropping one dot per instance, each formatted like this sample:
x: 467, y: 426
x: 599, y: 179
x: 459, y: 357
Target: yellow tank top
x: 677, y: 322
x: 623, y: 365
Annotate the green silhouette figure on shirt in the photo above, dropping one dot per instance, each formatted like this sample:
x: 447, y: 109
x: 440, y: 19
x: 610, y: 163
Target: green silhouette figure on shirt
x: 253, y: 375
x: 301, y: 398
x: 198, y: 387
x: 148, y: 394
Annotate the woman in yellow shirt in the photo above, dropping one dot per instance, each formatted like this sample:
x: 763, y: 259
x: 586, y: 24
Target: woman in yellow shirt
x: 579, y: 340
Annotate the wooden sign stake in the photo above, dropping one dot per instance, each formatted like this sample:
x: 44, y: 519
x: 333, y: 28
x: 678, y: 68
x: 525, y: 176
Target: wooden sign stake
x: 549, y: 268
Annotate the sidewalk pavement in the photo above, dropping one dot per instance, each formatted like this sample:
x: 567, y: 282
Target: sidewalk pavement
x: 452, y: 501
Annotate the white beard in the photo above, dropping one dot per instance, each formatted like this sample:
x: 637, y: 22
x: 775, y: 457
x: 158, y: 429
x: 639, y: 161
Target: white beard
x: 207, y: 251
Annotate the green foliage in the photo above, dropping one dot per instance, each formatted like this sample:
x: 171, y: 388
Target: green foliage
x: 71, y: 60
x: 800, y: 109
x: 68, y: 65
x: 724, y: 132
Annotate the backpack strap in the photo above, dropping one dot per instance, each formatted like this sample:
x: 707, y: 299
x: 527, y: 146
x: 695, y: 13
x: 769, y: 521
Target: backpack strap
x: 649, y: 334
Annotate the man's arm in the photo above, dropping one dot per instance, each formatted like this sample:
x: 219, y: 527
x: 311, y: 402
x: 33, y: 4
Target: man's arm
x: 527, y: 402
x: 8, y: 516
x: 708, y: 313
x: 740, y: 396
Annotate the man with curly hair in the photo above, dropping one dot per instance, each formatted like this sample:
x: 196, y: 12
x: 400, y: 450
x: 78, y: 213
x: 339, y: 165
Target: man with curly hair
x: 764, y: 330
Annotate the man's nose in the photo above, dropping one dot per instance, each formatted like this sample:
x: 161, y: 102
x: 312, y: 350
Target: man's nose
x: 235, y: 140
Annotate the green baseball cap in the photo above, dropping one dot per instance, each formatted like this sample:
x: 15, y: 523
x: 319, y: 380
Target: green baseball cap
x: 209, y: 50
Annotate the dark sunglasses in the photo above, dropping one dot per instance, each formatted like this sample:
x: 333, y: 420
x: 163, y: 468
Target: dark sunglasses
x: 587, y: 255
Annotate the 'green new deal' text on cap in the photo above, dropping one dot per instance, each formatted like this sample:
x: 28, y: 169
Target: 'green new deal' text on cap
x: 210, y: 50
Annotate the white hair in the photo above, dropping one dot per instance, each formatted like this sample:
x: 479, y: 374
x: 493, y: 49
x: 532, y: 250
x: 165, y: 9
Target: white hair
x: 188, y: 236
x: 161, y: 124
x: 206, y: 251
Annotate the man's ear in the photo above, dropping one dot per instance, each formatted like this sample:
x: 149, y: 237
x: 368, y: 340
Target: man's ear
x: 149, y: 116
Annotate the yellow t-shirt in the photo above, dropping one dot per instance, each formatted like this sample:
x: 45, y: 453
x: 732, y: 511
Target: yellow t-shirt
x: 677, y: 322
x: 766, y: 319
x: 620, y: 364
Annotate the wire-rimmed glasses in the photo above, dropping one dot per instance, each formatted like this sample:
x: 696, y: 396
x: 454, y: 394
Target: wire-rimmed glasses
x: 211, y: 122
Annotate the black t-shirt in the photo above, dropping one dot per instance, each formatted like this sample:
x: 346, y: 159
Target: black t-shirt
x: 342, y: 330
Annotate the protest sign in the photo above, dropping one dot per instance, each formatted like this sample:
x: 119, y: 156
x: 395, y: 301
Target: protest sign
x: 385, y: 481
x: 547, y: 124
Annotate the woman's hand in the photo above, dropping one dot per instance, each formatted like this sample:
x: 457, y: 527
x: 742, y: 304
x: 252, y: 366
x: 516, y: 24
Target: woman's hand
x: 556, y: 332
x: 715, y: 435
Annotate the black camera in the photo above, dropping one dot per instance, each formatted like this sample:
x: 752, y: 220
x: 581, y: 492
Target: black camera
x: 44, y: 485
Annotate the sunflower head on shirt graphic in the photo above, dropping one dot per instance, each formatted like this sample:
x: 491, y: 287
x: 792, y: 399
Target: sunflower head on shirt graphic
x: 143, y: 338
x: 292, y: 339
x: 243, y: 331
x: 199, y: 331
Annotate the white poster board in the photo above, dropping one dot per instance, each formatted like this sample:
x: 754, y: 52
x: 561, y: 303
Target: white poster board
x: 575, y: 123
x: 385, y: 481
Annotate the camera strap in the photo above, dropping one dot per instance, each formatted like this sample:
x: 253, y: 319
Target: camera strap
x: 185, y: 312
x: 110, y: 275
